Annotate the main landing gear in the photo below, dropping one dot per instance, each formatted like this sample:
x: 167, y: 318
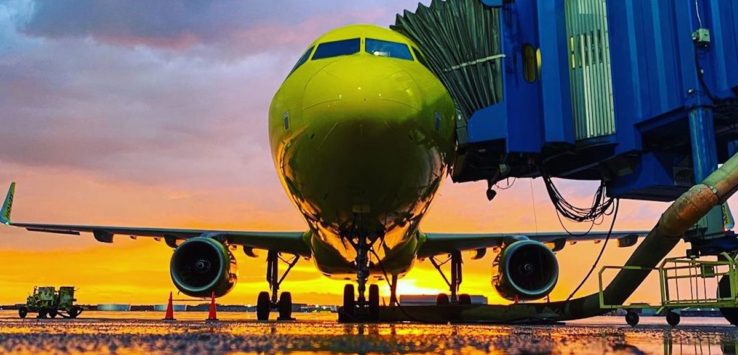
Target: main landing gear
x: 455, y: 261
x: 362, y: 308
x: 266, y: 302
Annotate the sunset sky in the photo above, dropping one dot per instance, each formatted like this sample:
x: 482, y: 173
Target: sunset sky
x: 155, y: 114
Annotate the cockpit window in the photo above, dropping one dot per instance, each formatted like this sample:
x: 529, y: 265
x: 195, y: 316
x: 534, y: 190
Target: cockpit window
x: 337, y: 48
x: 419, y: 56
x: 388, y: 49
x: 302, y: 59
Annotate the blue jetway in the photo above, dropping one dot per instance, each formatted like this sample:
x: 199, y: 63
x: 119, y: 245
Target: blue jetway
x: 641, y: 94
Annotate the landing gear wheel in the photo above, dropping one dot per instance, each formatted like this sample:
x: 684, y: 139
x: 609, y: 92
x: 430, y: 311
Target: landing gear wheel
x: 373, y: 303
x: 22, y: 312
x: 632, y: 318
x: 262, y: 306
x: 673, y: 318
x: 464, y: 298
x: 285, y: 306
x: 42, y: 313
x: 442, y: 299
x: 731, y: 314
x: 349, y: 304
x: 53, y: 313
x: 74, y: 312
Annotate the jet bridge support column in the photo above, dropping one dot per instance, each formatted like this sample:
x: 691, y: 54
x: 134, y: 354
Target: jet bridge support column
x: 732, y: 148
x: 707, y: 236
x: 702, y: 135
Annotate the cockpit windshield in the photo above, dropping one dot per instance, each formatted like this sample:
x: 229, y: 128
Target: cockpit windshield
x: 388, y: 49
x: 337, y: 48
x: 421, y: 59
x: 302, y: 59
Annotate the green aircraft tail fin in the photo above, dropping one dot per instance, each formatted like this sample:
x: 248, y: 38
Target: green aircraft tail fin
x: 7, y: 205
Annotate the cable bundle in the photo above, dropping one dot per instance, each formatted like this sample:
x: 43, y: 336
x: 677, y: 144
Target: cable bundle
x: 601, y: 204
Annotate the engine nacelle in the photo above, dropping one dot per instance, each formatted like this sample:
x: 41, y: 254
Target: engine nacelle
x: 525, y: 270
x: 201, y: 266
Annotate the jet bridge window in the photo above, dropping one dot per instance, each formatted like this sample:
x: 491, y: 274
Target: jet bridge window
x: 337, y: 48
x: 388, y: 49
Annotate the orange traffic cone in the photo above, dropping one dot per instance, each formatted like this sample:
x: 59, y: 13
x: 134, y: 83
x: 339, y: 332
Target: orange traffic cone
x: 170, y: 309
x: 212, y: 311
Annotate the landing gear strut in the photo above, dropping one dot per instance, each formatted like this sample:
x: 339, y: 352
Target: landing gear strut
x: 266, y: 301
x: 455, y: 261
x: 393, y: 291
x: 362, y: 266
x: 360, y: 308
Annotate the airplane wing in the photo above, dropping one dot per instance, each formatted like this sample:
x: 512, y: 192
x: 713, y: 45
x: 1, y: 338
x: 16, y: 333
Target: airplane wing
x: 443, y: 243
x: 287, y: 242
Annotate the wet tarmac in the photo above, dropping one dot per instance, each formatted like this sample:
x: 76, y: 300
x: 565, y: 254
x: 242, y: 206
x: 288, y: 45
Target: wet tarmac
x: 144, y: 332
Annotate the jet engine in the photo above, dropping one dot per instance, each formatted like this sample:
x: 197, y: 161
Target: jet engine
x: 525, y: 270
x: 201, y: 266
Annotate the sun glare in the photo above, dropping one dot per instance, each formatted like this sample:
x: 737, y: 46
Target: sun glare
x: 410, y: 287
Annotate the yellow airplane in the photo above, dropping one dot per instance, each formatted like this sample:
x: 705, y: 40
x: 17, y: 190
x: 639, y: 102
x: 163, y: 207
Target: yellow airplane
x: 362, y: 135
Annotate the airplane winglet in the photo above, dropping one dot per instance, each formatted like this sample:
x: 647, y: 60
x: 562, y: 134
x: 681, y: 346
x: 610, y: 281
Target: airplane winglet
x: 7, y: 205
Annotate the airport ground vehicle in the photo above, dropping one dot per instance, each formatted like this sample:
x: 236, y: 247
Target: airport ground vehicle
x: 686, y: 283
x: 47, y: 301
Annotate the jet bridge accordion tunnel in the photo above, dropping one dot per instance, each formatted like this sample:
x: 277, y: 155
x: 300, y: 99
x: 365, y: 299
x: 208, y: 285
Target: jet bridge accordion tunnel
x: 642, y: 95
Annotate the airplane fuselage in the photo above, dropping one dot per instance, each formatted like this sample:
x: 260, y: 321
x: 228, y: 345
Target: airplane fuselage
x: 362, y: 135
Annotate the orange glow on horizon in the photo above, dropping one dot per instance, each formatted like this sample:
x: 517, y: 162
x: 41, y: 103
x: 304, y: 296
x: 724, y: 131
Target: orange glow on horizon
x: 136, y: 271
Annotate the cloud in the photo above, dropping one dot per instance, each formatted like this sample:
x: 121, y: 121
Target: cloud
x: 246, y: 27
x: 110, y: 110
x: 163, y: 92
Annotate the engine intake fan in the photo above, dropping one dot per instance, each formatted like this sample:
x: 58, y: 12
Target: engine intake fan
x: 201, y: 266
x: 525, y: 270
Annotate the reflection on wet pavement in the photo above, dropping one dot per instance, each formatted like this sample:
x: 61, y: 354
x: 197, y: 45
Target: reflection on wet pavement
x: 138, y: 332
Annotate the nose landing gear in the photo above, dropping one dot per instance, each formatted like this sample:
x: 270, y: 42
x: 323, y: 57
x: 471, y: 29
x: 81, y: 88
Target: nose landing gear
x: 361, y: 309
x: 266, y: 302
x: 356, y: 311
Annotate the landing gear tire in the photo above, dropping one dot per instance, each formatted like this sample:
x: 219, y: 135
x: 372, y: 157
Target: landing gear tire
x: 373, y: 303
x: 52, y: 313
x: 349, y: 304
x: 442, y: 299
x: 731, y: 314
x: 632, y: 318
x: 42, y: 313
x: 673, y: 318
x: 22, y: 312
x: 285, y: 306
x: 464, y: 299
x: 262, y: 306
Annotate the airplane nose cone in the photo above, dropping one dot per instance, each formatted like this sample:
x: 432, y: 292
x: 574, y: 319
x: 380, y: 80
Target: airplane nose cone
x: 362, y: 82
